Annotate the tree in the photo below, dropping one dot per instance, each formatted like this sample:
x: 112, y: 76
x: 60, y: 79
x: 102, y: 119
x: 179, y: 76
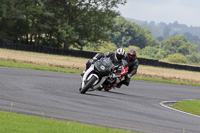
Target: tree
x: 128, y: 34
x: 179, y: 44
x: 172, y: 44
x: 19, y: 21
x: 166, y: 31
x: 160, y: 38
x: 192, y: 38
x: 150, y: 51
x: 194, y: 58
x: 183, y: 49
x: 91, y: 20
x: 57, y: 23
x: 3, y: 8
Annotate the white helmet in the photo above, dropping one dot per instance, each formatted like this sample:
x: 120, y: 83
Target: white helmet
x: 120, y: 54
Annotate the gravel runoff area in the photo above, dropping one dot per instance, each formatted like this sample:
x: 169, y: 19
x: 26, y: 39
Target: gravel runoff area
x: 79, y: 63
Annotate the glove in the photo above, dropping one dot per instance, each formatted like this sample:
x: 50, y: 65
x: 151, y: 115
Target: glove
x: 93, y: 61
x: 129, y: 76
x: 112, y: 76
x: 116, y: 75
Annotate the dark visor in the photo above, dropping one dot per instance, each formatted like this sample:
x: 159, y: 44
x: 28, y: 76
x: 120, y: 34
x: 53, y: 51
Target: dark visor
x: 131, y: 56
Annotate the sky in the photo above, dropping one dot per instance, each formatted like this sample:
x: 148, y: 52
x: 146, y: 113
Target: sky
x: 167, y: 11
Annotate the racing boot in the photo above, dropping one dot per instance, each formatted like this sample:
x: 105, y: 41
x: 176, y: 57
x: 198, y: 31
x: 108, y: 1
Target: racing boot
x: 119, y: 84
x: 126, y: 81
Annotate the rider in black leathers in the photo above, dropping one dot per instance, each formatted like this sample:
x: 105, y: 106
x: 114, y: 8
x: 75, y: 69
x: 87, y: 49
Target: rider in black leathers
x: 131, y: 58
x: 116, y: 59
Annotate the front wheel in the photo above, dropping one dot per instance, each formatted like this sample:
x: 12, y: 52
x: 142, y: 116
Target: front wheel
x: 89, y: 83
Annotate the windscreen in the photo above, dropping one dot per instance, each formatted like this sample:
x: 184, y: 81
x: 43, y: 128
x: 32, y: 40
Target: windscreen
x: 104, y: 66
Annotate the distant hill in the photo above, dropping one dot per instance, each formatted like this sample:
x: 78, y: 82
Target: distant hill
x: 163, y: 30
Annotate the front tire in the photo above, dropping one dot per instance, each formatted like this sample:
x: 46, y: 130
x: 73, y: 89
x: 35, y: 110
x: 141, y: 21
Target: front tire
x: 88, y: 84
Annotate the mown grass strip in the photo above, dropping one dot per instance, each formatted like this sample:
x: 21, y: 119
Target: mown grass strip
x: 37, y: 67
x: 68, y: 70
x: 165, y: 81
x: 192, y: 107
x: 17, y: 123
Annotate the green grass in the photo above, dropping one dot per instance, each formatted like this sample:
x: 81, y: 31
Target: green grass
x: 68, y: 70
x: 166, y: 68
x: 165, y: 81
x: 37, y: 67
x: 192, y: 107
x: 17, y: 123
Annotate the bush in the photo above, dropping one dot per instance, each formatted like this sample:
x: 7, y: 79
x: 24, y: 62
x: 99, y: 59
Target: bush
x: 194, y: 58
x: 177, y: 58
x: 159, y: 56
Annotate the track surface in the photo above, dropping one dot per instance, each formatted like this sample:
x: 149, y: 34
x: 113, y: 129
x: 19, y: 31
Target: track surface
x: 137, y: 107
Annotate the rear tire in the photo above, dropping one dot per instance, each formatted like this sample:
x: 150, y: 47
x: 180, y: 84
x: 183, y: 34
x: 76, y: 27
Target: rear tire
x: 88, y: 85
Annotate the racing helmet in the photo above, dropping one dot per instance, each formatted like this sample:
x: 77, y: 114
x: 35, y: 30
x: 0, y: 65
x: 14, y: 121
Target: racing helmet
x: 120, y: 54
x: 132, y: 54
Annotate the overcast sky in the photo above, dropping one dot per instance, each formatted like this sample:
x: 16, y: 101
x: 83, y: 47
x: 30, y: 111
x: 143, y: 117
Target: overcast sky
x: 168, y: 11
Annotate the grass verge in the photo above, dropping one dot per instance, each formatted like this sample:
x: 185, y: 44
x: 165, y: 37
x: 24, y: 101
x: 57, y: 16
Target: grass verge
x: 37, y: 67
x: 192, y: 107
x: 165, y: 81
x: 69, y: 70
x: 17, y: 123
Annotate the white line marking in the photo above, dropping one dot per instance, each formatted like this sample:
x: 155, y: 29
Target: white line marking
x: 164, y: 102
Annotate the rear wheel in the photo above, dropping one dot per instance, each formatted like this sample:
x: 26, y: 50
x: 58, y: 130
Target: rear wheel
x: 89, y: 83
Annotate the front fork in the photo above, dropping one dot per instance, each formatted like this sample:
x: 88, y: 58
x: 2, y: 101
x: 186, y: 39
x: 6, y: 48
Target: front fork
x: 86, y: 77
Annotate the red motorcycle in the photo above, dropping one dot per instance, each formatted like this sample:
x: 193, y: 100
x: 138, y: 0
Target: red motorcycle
x: 113, y: 81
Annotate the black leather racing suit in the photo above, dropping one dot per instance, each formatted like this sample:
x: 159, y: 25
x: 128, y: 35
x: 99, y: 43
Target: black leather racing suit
x: 133, y: 66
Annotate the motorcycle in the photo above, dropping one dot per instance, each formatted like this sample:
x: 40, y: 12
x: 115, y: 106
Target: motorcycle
x: 96, y: 75
x: 100, y: 75
x: 112, y: 82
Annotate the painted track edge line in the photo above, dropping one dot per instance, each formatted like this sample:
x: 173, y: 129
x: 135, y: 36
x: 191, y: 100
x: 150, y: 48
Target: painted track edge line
x: 163, y: 104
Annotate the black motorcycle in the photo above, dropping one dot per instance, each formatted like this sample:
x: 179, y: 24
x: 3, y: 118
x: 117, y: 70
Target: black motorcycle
x: 94, y: 78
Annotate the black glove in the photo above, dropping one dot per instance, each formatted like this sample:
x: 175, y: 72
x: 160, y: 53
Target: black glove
x: 115, y: 75
x: 93, y: 61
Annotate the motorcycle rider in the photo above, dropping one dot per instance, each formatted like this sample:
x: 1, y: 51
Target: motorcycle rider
x: 116, y: 59
x: 131, y: 58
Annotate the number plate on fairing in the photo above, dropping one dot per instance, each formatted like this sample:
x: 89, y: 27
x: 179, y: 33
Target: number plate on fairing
x: 102, y: 67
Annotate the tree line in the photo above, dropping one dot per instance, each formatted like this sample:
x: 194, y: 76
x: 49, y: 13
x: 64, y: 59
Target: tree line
x: 86, y: 25
x: 176, y: 48
x: 57, y: 23
x: 163, y: 30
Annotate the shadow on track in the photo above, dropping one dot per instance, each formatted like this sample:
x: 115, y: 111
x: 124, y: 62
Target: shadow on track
x: 112, y: 92
x: 119, y: 93
x: 112, y: 95
x: 127, y: 96
x: 94, y: 95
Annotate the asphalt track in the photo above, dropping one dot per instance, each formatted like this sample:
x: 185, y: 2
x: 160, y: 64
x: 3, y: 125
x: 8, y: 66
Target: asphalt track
x: 136, y: 108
